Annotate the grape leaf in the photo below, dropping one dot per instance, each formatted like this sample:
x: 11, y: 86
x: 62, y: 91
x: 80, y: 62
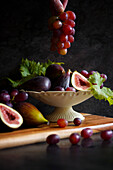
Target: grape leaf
x: 100, y: 93
x: 30, y: 69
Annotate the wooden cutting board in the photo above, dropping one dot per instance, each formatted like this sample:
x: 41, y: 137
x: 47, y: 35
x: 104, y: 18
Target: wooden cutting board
x: 39, y: 134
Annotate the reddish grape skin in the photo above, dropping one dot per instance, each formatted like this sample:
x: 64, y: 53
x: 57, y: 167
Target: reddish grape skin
x: 57, y: 33
x: 14, y: 92
x: 22, y: 96
x: 53, y: 139
x: 104, y: 76
x: 63, y: 16
x: 71, y: 15
x: 106, y: 134
x: 62, y: 51
x: 57, y: 24
x: 60, y: 44
x: 59, y: 88
x: 73, y: 31
x: 63, y: 37
x: 67, y: 44
x: 67, y: 29
x: 70, y: 22
x: 86, y: 133
x: 77, y: 121
x: 85, y: 73
x: 71, y: 38
x: 71, y: 89
x: 62, y: 123
x: 74, y: 138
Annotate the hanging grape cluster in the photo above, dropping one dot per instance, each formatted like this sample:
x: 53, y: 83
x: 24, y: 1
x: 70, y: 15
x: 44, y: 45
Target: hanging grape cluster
x: 63, y: 31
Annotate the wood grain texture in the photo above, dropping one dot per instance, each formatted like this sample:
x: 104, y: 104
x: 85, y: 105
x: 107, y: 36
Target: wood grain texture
x: 39, y: 134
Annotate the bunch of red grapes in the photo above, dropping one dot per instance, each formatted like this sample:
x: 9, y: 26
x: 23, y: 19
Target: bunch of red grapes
x: 9, y: 98
x: 63, y: 31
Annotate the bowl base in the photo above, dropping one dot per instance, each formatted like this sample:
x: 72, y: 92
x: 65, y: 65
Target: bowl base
x: 64, y: 113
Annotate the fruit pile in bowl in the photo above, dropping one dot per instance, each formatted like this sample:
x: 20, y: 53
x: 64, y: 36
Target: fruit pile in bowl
x: 65, y: 89
x: 53, y: 85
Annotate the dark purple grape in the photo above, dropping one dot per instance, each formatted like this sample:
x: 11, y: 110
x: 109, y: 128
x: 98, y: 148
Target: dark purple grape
x: 59, y: 88
x: 4, y: 97
x: 104, y: 76
x: 53, y: 139
x: 77, y: 121
x: 4, y: 91
x: 106, y: 134
x: 21, y: 96
x: 14, y: 92
x: 71, y: 89
x: 85, y: 73
x: 74, y: 138
x: 9, y: 104
x: 86, y: 133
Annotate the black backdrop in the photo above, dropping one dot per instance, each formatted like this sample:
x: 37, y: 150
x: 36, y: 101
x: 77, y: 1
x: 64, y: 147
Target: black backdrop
x: 24, y: 34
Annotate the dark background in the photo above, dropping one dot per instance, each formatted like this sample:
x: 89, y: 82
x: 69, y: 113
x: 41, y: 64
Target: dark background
x: 24, y: 34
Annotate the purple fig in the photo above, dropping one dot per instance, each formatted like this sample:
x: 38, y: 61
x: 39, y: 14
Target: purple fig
x: 63, y: 80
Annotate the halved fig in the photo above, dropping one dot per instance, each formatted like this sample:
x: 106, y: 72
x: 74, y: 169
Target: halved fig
x: 10, y: 116
x: 79, y: 82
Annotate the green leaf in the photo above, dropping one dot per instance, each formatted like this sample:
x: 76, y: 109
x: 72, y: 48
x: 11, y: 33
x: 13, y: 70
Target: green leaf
x: 100, y: 93
x: 30, y: 69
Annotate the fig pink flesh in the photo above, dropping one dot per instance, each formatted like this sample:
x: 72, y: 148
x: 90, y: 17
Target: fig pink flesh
x: 9, y: 116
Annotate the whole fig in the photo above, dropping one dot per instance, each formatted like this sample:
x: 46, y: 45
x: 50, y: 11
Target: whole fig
x: 54, y: 71
x: 39, y: 83
x: 63, y: 80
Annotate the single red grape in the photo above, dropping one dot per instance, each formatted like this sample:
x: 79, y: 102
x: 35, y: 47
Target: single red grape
x: 63, y: 37
x: 53, y: 139
x: 106, y: 134
x: 77, y: 121
x: 63, y: 16
x: 57, y: 24
x: 62, y: 51
x: 71, y: 89
x: 104, y: 76
x: 14, y: 92
x: 74, y: 138
x: 71, y: 15
x: 67, y: 29
x: 67, y: 44
x: 21, y: 96
x: 86, y: 133
x: 71, y: 38
x: 85, y: 73
x: 62, y: 123
x: 60, y: 44
x: 70, y: 22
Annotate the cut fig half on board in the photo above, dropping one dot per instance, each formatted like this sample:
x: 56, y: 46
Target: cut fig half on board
x: 80, y: 82
x: 10, y: 117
